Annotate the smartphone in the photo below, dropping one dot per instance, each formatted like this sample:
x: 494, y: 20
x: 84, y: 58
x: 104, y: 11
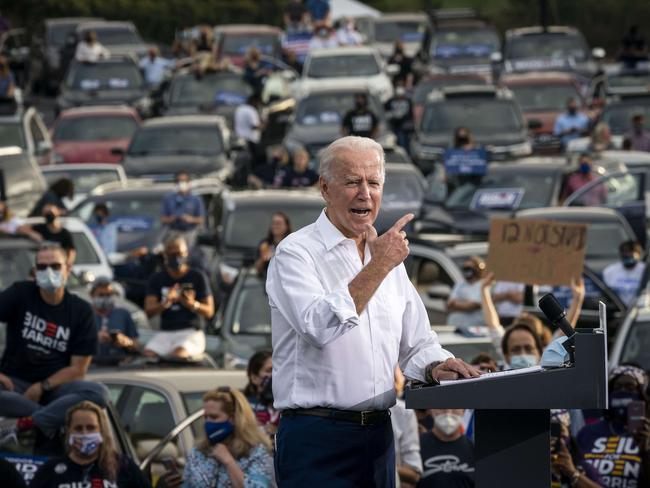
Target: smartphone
x: 113, y: 334
x: 556, y: 436
x: 187, y: 287
x: 635, y: 415
x: 169, y: 463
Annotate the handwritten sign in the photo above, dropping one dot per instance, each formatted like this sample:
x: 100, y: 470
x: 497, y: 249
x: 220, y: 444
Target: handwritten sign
x: 465, y: 162
x: 542, y: 252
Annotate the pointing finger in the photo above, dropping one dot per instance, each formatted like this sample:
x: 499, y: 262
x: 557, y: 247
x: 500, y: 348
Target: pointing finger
x: 403, y: 221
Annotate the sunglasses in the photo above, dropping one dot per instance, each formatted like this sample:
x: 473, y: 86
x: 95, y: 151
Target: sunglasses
x: 54, y: 266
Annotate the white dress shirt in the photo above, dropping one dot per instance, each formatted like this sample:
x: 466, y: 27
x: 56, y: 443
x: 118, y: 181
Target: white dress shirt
x: 90, y: 53
x: 247, y: 122
x: 324, y: 354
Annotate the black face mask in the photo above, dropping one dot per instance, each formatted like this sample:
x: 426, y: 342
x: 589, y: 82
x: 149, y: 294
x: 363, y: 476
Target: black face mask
x: 462, y: 140
x: 469, y: 273
x: 266, y: 391
x: 361, y: 103
x: 572, y: 110
x: 176, y: 262
x: 50, y: 217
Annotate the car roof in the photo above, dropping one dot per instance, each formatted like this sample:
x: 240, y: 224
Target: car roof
x: 149, y: 187
x: 538, y: 77
x: 99, y: 110
x: 572, y: 213
x: 171, y: 120
x: 71, y: 20
x: 8, y: 241
x: 357, y: 86
x: 532, y: 164
x: 538, y: 29
x: 393, y: 16
x: 184, y: 380
x: 98, y: 24
x: 245, y: 197
x: 444, y: 93
x: 341, y: 51
x: 247, y: 29
x: 10, y: 151
x: 72, y: 167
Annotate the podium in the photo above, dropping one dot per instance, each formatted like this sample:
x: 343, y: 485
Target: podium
x: 512, y: 419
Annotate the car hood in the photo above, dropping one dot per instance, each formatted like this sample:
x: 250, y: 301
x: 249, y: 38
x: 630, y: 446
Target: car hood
x: 100, y: 97
x: 306, y: 135
x: 460, y: 221
x: 547, y: 118
x: 90, y: 151
x: 226, y: 111
x: 167, y: 165
x: 496, y: 139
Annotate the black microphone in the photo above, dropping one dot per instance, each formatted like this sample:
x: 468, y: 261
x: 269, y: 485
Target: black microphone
x: 556, y: 314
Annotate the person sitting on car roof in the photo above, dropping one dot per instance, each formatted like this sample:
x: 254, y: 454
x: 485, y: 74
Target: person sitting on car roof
x: 625, y: 276
x: 60, y: 189
x: 7, y: 81
x: 91, y: 457
x: 90, y: 50
x: 464, y: 304
x: 182, y: 211
x: 300, y: 175
x: 104, y: 231
x: 52, y: 230
x: 571, y: 124
x: 12, y: 225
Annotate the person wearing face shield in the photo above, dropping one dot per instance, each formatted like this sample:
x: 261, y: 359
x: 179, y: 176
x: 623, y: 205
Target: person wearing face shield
x: 181, y: 295
x: 51, y: 339
x: 447, y: 453
x: 116, y: 331
x: 464, y: 303
x: 618, y: 447
x: 571, y: 124
x: 91, y: 457
x: 182, y: 211
x: 625, y: 276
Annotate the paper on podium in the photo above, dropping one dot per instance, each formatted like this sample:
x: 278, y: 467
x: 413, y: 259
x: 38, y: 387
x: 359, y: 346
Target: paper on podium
x: 496, y: 374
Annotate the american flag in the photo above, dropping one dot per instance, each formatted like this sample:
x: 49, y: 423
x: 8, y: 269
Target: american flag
x: 298, y: 43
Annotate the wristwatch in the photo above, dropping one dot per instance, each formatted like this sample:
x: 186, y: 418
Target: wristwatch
x: 196, y: 305
x: 45, y: 386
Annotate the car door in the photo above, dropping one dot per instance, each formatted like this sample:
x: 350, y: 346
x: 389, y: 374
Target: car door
x: 40, y: 139
x: 624, y: 191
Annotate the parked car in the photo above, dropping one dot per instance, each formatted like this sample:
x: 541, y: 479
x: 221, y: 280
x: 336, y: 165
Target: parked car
x: 333, y: 67
x: 199, y: 144
x: 542, y: 97
x: 632, y: 344
x: 412, y: 28
x: 121, y: 38
x: 87, y: 134
x: 404, y: 189
x: 23, y: 127
x: 22, y: 181
x: 85, y: 176
x: 114, y: 81
x: 233, y: 41
x: 491, y: 114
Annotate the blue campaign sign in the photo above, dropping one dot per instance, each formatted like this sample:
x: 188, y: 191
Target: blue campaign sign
x: 465, y: 162
x: 497, y: 199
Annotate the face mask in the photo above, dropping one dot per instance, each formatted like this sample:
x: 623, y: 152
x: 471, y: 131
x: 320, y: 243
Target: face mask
x: 89, y: 442
x: 50, y: 217
x: 360, y: 103
x: 324, y: 33
x: 462, y: 140
x: 183, y: 186
x: 400, y: 91
x: 49, y: 279
x: 572, y: 110
x: 217, y: 432
x: 522, y: 361
x: 103, y: 303
x: 99, y: 219
x: 175, y: 262
x: 469, y: 273
x: 447, y: 422
x: 585, y: 168
x: 266, y: 391
x: 629, y: 262
x: 618, y: 402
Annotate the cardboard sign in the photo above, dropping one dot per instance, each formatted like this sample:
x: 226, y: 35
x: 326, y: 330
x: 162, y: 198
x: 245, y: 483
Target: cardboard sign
x: 541, y: 252
x: 465, y: 162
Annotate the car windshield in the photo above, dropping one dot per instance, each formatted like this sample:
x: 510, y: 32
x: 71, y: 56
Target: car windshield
x: 402, y: 188
x: 543, y: 97
x: 636, y: 349
x: 16, y: 265
x: 246, y: 226
x: 57, y: 33
x: 115, y: 36
x: 619, y: 115
x: 482, y: 116
x: 403, y: 30
x: 603, y: 239
x: 11, y: 134
x: 137, y: 218
x: 425, y: 87
x: 97, y: 128
x: 239, y: 44
x: 179, y: 139
x: 640, y: 81
x: 252, y: 314
x: 464, y: 43
x: 537, y: 189
x: 104, y: 76
x: 329, y: 109
x: 210, y: 89
x: 86, y: 253
x: 353, y: 65
x: 548, y: 45
x: 85, y: 180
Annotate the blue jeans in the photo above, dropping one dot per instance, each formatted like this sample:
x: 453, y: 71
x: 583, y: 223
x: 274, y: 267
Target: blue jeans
x: 321, y: 452
x: 49, y: 414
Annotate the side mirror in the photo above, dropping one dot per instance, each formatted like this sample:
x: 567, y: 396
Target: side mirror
x: 441, y: 292
x: 598, y: 53
x: 118, y: 151
x: 496, y: 57
x: 43, y: 147
x: 86, y: 277
x: 392, y: 69
x: 535, y: 124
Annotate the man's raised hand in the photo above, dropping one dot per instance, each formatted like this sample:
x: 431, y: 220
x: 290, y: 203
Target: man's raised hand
x: 390, y: 248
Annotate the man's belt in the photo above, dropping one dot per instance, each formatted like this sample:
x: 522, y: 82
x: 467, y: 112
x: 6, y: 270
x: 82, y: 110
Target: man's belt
x: 365, y: 417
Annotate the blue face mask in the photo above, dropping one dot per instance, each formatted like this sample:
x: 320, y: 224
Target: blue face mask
x: 217, y: 432
x: 629, y: 262
x: 585, y: 168
x: 523, y: 361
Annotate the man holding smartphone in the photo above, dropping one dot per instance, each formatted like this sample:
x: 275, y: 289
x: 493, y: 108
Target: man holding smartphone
x: 182, y: 297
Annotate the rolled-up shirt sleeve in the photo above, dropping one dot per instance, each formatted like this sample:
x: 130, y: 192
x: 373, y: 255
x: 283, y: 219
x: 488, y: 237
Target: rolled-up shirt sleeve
x: 319, y: 316
x: 419, y: 345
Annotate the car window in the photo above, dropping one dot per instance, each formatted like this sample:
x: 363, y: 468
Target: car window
x: 401, y: 188
x: 230, y: 90
x: 115, y: 392
x: 480, y: 115
x: 238, y: 45
x: 636, y: 348
x: 404, y: 30
x: 329, y: 109
x: 16, y: 265
x: 113, y: 36
x: 104, y: 76
x: 11, y: 134
x: 619, y: 115
x: 102, y: 128
x: 85, y: 251
x: 252, y: 314
x: 340, y: 66
x: 464, y: 43
x: 538, y: 97
x: 84, y: 180
x: 57, y: 33
x: 202, y: 140
x: 146, y: 415
x: 427, y: 274
x: 547, y: 45
x: 193, y: 402
x: 614, y: 191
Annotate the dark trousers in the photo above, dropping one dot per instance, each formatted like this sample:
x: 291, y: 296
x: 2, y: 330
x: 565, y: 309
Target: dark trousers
x: 319, y: 452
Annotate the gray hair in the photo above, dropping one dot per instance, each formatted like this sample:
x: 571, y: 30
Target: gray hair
x: 329, y: 154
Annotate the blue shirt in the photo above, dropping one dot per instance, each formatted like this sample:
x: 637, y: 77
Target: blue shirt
x: 318, y: 9
x: 154, y: 70
x: 119, y: 319
x: 106, y: 236
x: 567, y: 121
x: 177, y: 204
x: 5, y: 83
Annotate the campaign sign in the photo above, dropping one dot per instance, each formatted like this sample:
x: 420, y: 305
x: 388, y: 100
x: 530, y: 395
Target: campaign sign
x: 26, y: 465
x: 465, y: 161
x: 497, y: 199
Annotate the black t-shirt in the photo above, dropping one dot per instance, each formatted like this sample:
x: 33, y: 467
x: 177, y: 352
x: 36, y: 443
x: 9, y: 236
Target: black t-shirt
x: 179, y: 317
x: 360, y: 122
x: 10, y: 476
x: 405, y: 66
x: 400, y: 111
x: 41, y: 338
x: 295, y: 11
x: 62, y: 237
x: 65, y: 473
x: 293, y: 179
x: 446, y: 464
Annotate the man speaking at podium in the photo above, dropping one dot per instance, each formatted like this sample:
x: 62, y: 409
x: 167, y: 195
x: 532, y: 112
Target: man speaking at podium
x: 344, y: 313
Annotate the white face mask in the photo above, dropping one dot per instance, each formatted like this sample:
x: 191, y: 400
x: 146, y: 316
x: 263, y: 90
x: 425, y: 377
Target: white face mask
x: 88, y: 443
x: 49, y: 279
x: 183, y: 186
x: 448, y: 423
x: 523, y: 361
